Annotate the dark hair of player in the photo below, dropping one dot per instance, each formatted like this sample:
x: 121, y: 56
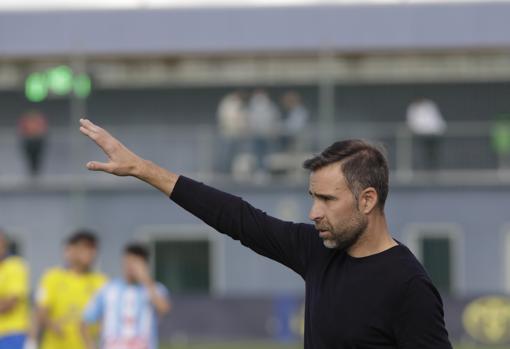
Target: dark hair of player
x: 83, y: 236
x: 363, y: 166
x: 138, y: 250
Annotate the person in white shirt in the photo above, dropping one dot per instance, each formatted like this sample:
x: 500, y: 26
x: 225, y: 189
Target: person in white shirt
x: 426, y: 122
x: 264, y: 125
x: 232, y: 124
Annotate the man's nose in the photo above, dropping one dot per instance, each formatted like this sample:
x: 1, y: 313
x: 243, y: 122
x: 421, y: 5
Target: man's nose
x: 315, y: 213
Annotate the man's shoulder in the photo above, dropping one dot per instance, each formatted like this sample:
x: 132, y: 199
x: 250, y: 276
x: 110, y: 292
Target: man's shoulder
x: 112, y: 289
x: 99, y: 278
x: 15, y: 262
x: 405, y: 265
x: 54, y: 273
x: 312, y: 237
x: 114, y: 284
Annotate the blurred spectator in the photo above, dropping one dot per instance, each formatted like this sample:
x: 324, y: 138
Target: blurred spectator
x: 64, y: 292
x: 263, y: 124
x: 33, y: 129
x: 428, y: 125
x: 232, y: 122
x: 131, y: 304
x: 500, y: 138
x: 295, y: 121
x: 14, y: 294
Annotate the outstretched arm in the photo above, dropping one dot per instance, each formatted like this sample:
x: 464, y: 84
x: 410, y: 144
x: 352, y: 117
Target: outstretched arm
x: 288, y: 243
x: 123, y: 162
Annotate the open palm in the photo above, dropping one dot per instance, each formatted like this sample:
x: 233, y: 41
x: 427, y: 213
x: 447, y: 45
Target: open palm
x: 122, y: 161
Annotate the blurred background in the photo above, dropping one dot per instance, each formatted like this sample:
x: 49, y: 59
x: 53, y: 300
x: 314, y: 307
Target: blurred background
x: 238, y: 94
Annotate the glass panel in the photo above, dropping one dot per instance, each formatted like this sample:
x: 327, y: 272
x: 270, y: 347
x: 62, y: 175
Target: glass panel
x: 436, y: 253
x: 183, y: 266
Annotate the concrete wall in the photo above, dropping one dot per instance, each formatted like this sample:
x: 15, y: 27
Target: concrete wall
x: 41, y: 219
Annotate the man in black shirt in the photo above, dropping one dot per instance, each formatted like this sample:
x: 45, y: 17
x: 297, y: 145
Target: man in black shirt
x: 363, y: 289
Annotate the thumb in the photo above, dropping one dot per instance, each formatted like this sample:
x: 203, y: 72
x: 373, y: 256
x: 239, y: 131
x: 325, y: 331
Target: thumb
x: 100, y: 166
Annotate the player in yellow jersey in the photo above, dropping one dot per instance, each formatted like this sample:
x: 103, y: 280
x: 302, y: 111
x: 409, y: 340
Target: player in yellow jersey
x: 14, y: 312
x: 64, y: 292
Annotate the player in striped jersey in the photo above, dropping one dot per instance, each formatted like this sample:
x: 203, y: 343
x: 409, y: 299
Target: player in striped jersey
x: 128, y: 308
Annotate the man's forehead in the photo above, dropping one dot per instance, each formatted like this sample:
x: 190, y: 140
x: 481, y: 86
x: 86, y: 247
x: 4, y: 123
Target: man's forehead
x: 81, y: 245
x: 328, y: 178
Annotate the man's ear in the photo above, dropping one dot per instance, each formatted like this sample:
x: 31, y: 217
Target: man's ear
x: 368, y: 199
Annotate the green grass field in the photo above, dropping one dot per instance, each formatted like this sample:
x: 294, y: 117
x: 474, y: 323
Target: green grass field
x: 268, y: 345
x: 232, y: 345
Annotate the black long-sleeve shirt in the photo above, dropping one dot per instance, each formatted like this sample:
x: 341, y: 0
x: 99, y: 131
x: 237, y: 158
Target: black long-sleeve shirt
x: 384, y: 300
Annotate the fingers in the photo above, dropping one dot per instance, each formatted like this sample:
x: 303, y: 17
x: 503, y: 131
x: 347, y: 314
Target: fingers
x: 107, y: 143
x: 102, y: 138
x: 86, y: 123
x: 100, y: 166
x: 89, y: 129
x: 86, y: 131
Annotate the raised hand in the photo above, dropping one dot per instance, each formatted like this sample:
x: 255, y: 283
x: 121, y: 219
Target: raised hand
x: 122, y: 161
x: 141, y: 272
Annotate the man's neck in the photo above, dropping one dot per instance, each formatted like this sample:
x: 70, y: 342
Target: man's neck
x: 375, y: 239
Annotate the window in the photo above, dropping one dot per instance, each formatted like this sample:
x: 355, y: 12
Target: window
x: 437, y: 246
x: 436, y: 254
x: 183, y: 265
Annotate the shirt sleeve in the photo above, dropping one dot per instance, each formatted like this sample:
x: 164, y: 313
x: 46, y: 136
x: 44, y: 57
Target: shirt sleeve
x: 95, y: 308
x: 43, y: 296
x: 420, y: 322
x: 285, y: 242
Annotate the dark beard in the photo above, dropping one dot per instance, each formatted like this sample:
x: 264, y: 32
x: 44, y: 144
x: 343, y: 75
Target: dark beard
x: 345, y: 242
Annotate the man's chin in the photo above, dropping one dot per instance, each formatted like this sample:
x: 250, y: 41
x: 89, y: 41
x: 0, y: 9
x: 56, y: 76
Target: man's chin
x: 332, y: 244
x: 339, y: 244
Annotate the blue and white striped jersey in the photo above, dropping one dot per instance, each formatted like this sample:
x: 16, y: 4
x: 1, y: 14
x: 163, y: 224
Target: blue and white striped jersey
x: 127, y: 316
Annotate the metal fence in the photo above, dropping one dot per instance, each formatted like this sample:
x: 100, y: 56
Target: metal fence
x: 464, y: 154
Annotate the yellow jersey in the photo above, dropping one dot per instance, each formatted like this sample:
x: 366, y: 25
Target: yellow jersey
x: 65, y: 294
x: 14, y: 283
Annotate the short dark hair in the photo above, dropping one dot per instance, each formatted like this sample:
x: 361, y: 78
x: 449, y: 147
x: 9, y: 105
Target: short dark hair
x: 83, y: 236
x: 363, y: 165
x: 138, y: 250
